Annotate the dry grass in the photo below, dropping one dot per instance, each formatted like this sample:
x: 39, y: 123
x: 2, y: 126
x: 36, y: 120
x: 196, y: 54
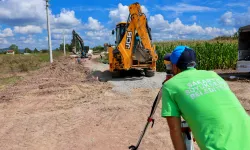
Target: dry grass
x: 24, y: 63
x: 8, y: 81
x: 18, y: 63
x: 12, y: 66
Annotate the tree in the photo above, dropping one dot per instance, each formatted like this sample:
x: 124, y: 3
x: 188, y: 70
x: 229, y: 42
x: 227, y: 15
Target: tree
x: 45, y: 51
x: 15, y: 48
x: 27, y: 50
x: 98, y: 48
x: 75, y: 43
x: 36, y: 51
x: 68, y: 47
x: 236, y: 35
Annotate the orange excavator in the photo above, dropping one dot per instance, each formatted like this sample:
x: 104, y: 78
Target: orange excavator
x: 134, y: 48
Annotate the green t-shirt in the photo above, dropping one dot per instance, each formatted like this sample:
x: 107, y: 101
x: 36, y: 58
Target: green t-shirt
x: 214, y: 114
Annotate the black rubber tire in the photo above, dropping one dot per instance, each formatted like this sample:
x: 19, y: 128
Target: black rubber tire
x: 116, y: 74
x: 149, y: 73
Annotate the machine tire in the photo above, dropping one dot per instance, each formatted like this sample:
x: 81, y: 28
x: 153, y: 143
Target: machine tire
x: 149, y: 73
x: 116, y: 74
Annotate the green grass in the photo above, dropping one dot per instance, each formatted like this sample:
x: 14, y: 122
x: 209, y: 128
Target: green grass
x: 44, y: 57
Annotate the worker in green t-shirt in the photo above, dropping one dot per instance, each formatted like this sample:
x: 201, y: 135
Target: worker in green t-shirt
x: 217, y: 119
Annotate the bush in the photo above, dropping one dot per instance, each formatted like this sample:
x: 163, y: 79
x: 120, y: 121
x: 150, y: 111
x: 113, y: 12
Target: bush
x: 98, y: 49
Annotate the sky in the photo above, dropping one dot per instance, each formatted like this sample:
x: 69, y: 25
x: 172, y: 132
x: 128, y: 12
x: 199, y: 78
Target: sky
x: 24, y: 23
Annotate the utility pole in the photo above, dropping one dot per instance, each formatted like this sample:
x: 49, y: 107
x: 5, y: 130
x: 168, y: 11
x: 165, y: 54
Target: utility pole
x: 64, y: 43
x: 48, y: 28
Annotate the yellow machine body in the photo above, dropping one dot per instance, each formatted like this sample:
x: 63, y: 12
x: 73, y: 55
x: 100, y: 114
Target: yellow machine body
x: 127, y: 54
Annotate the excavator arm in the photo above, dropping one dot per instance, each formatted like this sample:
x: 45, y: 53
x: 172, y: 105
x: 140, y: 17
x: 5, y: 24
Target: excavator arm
x: 139, y: 20
x: 137, y: 23
x: 77, y: 38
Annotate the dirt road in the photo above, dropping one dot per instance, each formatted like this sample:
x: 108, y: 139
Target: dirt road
x: 63, y: 107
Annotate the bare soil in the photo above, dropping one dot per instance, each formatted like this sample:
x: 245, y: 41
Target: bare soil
x: 62, y: 106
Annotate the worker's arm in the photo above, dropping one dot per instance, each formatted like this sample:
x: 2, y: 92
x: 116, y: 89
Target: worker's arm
x: 174, y: 124
x: 171, y: 111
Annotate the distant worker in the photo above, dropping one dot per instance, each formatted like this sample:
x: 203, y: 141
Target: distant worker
x: 137, y: 42
x: 137, y: 37
x: 214, y: 114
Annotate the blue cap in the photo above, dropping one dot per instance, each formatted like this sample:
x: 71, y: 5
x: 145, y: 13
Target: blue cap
x: 182, y: 56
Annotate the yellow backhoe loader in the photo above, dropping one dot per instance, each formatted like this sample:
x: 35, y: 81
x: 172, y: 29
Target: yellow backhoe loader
x: 134, y: 48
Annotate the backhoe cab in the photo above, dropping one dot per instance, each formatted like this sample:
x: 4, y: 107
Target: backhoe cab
x: 134, y: 49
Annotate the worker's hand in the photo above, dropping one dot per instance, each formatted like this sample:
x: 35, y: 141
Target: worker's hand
x: 174, y: 124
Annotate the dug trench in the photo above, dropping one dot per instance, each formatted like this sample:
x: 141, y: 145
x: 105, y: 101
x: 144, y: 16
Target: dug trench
x: 65, y: 106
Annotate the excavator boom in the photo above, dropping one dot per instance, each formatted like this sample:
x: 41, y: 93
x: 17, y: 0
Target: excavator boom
x: 131, y: 52
x: 141, y: 25
x: 77, y: 39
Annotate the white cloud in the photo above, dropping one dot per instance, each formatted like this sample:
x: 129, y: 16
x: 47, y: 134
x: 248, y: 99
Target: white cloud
x: 121, y: 13
x: 144, y: 10
x: 157, y: 23
x: 29, y: 29
x: 100, y: 33
x: 65, y: 19
x: 28, y: 40
x: 6, y: 33
x: 236, y: 19
x: 226, y: 18
x: 181, y: 7
x: 3, y: 42
x: 98, y: 37
x: 163, y: 30
x: 22, y: 38
x: 22, y: 12
x: 93, y: 24
x: 61, y: 31
x: 29, y: 17
x: 193, y: 18
x: 59, y: 37
x: 237, y: 4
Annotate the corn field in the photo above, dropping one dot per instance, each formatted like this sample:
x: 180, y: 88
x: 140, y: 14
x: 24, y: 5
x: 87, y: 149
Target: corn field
x: 210, y: 54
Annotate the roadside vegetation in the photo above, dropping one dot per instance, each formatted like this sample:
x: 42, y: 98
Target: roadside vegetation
x: 23, y: 63
x: 14, y: 67
x: 214, y: 54
x: 98, y: 49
